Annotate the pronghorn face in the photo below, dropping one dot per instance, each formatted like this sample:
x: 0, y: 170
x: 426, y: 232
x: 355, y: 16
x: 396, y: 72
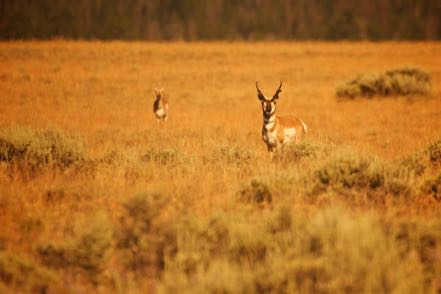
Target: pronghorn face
x: 159, y: 93
x: 268, y: 104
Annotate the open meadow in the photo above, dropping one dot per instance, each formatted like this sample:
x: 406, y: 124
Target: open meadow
x: 94, y: 197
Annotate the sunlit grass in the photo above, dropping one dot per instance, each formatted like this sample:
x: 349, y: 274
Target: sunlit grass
x: 93, y: 194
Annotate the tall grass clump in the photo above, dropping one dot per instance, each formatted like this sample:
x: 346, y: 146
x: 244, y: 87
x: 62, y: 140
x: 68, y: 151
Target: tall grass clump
x: 434, y: 152
x: 198, y: 242
x: 432, y: 187
x: 257, y: 192
x: 398, y: 82
x: 230, y: 155
x: 40, y: 148
x: 22, y: 275
x: 144, y: 232
x: 296, y: 152
x: 277, y: 252
x: 164, y: 156
x: 87, y: 248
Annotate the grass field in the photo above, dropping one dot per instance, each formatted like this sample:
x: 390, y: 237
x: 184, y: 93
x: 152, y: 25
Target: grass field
x: 94, y: 197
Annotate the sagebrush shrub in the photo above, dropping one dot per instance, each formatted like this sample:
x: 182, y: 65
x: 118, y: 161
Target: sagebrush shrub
x: 198, y: 241
x: 434, y: 152
x: 406, y: 81
x: 352, y: 172
x: 87, y: 248
x: 39, y: 148
x: 414, y: 163
x: 142, y: 235
x: 296, y: 152
x: 165, y: 156
x: 347, y: 171
x: 25, y: 276
x: 229, y: 154
x: 330, y: 252
x: 256, y: 192
x: 432, y: 187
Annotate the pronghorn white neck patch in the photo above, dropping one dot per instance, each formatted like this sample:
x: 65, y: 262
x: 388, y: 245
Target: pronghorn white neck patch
x: 270, y: 125
x: 269, y: 120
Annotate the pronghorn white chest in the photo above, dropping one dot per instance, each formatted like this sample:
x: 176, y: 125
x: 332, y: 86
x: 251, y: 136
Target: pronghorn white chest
x: 160, y: 112
x: 269, y: 137
x: 269, y: 132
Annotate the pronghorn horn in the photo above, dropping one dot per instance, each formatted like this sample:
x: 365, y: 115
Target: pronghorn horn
x: 259, y: 93
x: 276, y: 95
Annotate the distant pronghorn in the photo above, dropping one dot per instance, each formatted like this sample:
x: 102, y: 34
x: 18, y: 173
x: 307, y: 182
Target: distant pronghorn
x: 160, y: 106
x: 278, y: 130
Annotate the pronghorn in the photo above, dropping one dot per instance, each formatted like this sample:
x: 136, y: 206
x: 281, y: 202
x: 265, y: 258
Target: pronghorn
x: 278, y: 130
x: 160, y: 106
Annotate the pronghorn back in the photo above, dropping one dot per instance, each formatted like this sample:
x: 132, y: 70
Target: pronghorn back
x: 290, y: 126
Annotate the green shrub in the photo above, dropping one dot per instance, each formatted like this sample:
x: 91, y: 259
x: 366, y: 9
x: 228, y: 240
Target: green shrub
x: 143, y: 234
x: 39, y: 148
x: 406, y: 81
x: 87, y: 248
x: 22, y: 275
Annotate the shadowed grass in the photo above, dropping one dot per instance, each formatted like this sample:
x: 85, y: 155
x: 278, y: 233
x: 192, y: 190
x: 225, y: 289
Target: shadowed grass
x: 299, y: 256
x: 22, y: 274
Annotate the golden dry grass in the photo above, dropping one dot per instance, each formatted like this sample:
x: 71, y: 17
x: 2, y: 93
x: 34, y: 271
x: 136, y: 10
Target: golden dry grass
x: 211, y: 148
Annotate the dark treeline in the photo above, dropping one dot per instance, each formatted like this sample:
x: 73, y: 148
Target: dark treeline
x: 221, y: 19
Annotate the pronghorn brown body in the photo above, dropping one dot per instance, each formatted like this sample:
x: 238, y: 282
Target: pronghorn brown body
x: 278, y: 130
x: 160, y: 106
